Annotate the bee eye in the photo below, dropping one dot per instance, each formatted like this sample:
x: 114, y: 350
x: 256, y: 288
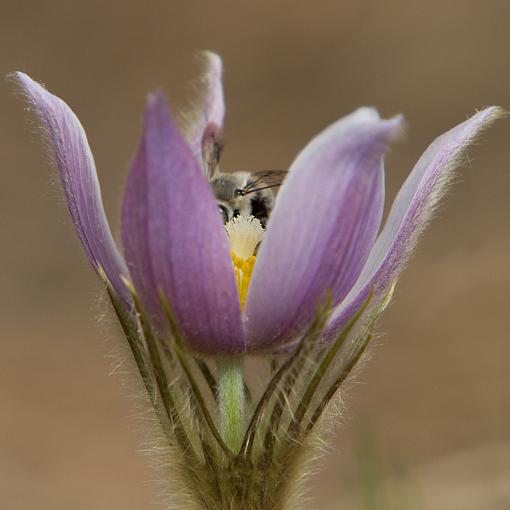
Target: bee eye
x: 223, y: 212
x: 239, y: 192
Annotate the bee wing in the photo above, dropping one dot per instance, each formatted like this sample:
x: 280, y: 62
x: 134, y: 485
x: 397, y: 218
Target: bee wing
x: 265, y: 179
x: 211, y: 153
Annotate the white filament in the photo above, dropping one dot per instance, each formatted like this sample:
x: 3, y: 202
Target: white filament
x: 244, y: 235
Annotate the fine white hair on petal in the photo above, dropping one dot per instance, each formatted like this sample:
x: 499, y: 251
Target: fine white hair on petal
x: 411, y: 213
x: 70, y: 151
x: 203, y: 122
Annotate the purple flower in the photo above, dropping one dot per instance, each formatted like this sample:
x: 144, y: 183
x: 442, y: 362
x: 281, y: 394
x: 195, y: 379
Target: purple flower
x: 323, y: 236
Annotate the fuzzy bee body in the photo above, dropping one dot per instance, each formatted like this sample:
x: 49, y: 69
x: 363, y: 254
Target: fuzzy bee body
x: 240, y: 193
x: 246, y: 193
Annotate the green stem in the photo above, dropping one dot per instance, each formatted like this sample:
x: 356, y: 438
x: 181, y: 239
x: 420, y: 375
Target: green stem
x: 231, y: 402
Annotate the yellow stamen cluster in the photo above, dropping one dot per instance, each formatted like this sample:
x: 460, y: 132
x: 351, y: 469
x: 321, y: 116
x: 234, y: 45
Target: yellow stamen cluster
x: 244, y: 235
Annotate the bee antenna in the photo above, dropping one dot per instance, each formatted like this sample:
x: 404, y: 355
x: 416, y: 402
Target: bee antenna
x: 253, y: 182
x: 244, y: 192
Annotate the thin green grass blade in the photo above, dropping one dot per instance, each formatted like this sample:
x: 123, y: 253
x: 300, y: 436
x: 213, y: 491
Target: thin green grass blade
x: 208, y: 377
x: 289, y: 381
x: 346, y: 369
x: 201, y: 402
x: 162, y: 380
x: 352, y: 358
x: 295, y: 425
x: 198, y: 398
x: 131, y: 332
x: 249, y: 438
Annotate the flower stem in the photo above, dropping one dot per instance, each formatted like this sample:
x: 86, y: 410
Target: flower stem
x: 231, y: 402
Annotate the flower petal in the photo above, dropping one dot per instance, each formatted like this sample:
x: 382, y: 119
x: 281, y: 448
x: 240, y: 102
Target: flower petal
x: 135, y: 236
x: 323, y: 226
x: 175, y: 220
x: 410, y: 215
x: 77, y: 171
x: 208, y: 123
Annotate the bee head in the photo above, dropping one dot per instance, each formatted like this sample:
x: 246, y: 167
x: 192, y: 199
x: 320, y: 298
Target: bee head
x: 227, y: 212
x: 229, y: 192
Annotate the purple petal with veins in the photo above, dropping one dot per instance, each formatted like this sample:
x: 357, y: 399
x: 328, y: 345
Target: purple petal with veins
x: 325, y: 221
x: 179, y: 225
x: 135, y: 236
x: 75, y: 163
x: 410, y: 214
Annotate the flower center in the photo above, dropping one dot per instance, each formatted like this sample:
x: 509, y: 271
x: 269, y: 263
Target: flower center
x: 244, y: 235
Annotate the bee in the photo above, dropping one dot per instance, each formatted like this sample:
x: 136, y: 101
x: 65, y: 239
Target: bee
x: 242, y: 193
x: 246, y: 193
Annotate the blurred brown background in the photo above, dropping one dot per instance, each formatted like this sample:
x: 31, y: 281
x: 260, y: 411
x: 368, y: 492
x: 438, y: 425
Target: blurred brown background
x: 432, y: 417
